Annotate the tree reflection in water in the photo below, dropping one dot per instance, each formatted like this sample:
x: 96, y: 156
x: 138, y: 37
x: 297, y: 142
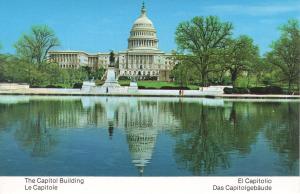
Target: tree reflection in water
x: 283, y: 133
x: 36, y: 131
x: 34, y: 136
x: 209, y: 136
x: 201, y: 144
x: 206, y: 136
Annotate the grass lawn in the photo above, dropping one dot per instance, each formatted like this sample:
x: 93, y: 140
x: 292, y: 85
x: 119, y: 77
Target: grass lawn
x: 155, y: 84
x: 124, y: 82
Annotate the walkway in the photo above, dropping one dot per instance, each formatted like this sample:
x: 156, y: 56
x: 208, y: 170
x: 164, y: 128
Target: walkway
x: 125, y: 91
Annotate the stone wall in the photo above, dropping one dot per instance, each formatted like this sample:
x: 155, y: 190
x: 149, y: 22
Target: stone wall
x: 13, y: 86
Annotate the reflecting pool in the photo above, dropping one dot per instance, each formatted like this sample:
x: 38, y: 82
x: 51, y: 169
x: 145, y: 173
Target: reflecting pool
x: 132, y: 136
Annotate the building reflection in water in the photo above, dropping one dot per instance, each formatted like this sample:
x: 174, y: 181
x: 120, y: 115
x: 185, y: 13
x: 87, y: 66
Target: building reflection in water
x: 141, y: 144
x: 205, y: 131
x: 110, y: 129
x: 142, y: 121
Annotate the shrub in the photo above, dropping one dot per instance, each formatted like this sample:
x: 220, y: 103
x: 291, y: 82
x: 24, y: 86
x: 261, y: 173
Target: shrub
x: 254, y: 90
x: 266, y: 90
x: 174, y: 88
x: 150, y: 78
x: 274, y: 90
x: 150, y: 88
x: 240, y: 90
x: 123, y: 78
x: 77, y: 85
x: 237, y: 90
x: 53, y: 86
x: 228, y: 90
x: 257, y: 90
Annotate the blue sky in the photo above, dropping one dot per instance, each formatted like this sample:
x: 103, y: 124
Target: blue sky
x: 99, y: 26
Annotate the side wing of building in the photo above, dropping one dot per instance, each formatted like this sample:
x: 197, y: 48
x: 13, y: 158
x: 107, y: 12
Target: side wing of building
x: 142, y: 59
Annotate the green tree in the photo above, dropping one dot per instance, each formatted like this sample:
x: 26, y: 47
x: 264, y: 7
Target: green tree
x: 13, y: 69
x: 77, y: 75
x: 202, y: 38
x: 241, y: 55
x: 285, y: 53
x: 183, y: 72
x: 2, y: 61
x: 98, y: 74
x: 35, y: 46
x: 265, y: 73
x: 88, y: 70
x: 180, y: 74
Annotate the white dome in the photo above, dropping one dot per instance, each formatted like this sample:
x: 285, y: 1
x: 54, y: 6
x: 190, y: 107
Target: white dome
x: 143, y: 34
x: 143, y: 19
x: 143, y: 22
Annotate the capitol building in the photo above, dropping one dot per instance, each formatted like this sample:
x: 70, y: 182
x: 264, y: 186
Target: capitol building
x: 142, y: 59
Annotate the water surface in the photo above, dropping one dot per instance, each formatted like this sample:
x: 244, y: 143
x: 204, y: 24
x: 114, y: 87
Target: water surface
x: 122, y: 136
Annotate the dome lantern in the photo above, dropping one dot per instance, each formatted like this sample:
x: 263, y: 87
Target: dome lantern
x: 143, y: 10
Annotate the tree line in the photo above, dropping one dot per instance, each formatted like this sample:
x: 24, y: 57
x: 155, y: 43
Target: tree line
x: 30, y: 64
x: 208, y: 54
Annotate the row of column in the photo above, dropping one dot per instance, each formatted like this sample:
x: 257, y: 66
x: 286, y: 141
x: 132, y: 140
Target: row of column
x: 142, y: 33
x: 140, y: 59
x: 140, y: 73
x: 93, y: 60
x: 142, y: 43
x: 134, y: 66
x: 64, y: 57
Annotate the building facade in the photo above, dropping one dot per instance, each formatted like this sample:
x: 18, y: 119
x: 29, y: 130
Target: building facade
x: 142, y: 59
